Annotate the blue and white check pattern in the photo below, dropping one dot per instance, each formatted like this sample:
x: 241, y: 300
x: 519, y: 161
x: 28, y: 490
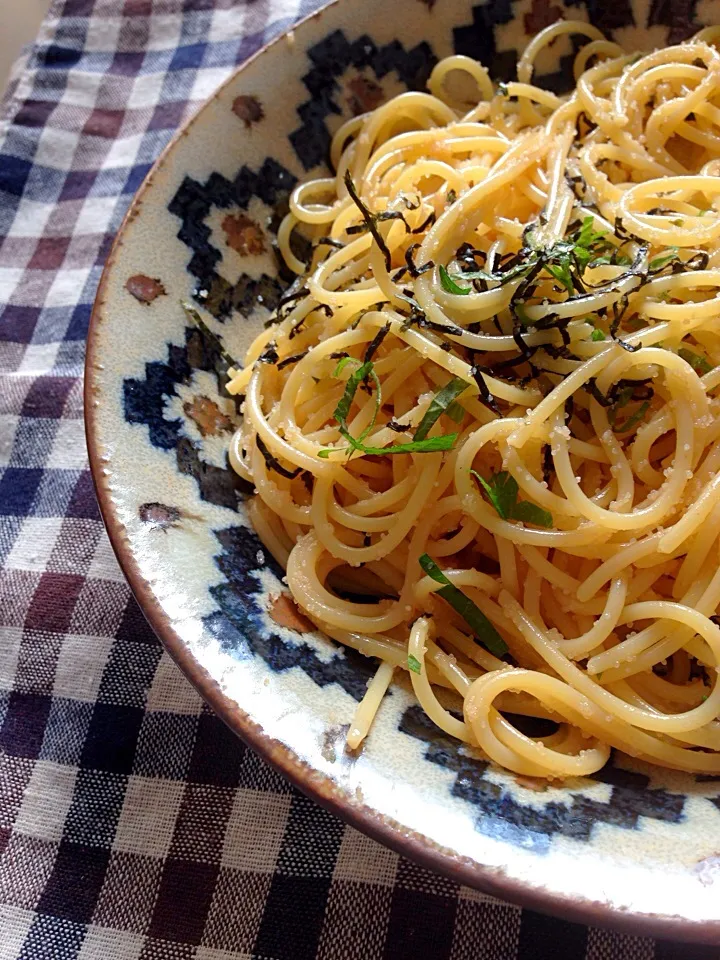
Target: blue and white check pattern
x: 133, y: 825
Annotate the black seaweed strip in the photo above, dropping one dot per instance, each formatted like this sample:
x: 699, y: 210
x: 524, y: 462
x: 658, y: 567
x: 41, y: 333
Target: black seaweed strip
x: 428, y: 222
x: 485, y: 396
x: 269, y: 354
x: 369, y: 220
x: 288, y: 361
x: 273, y: 464
x: 374, y: 344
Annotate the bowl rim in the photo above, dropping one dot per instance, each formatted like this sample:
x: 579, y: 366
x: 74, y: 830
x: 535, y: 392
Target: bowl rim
x: 317, y: 786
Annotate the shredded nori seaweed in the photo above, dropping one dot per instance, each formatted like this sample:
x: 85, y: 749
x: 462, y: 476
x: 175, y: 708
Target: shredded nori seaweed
x: 414, y: 270
x: 289, y: 361
x: 273, y: 464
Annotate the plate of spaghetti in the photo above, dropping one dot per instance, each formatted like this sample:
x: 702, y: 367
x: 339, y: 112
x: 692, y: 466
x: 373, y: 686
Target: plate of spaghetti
x: 411, y: 451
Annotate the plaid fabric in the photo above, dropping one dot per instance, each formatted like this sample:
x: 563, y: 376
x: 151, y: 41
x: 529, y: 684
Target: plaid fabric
x: 133, y: 824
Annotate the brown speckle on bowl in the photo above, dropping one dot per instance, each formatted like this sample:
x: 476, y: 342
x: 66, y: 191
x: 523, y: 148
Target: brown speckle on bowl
x: 333, y: 744
x: 249, y: 109
x: 532, y: 783
x: 542, y: 13
x: 363, y: 95
x: 208, y: 416
x: 284, y: 611
x: 159, y: 515
x: 145, y: 289
x: 244, y: 236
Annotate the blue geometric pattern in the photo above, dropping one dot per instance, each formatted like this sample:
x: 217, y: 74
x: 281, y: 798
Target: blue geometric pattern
x: 192, y: 204
x: 330, y: 59
x: 498, y: 811
x: 144, y: 403
x: 238, y: 628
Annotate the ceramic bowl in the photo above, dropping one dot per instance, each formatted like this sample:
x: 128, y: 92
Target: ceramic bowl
x: 635, y: 846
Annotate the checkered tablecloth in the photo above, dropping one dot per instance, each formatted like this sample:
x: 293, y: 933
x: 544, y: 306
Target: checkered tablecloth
x: 133, y: 824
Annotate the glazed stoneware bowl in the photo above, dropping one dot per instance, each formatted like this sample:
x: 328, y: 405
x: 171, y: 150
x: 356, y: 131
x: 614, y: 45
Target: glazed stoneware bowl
x: 633, y: 846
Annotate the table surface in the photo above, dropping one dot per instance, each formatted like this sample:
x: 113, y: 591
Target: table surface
x: 133, y: 824
x: 20, y: 23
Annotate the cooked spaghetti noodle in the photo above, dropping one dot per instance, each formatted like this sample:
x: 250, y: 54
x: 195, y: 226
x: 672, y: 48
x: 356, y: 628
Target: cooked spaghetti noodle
x: 483, y: 424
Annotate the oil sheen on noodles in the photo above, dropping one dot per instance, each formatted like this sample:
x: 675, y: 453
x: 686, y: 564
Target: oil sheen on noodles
x: 483, y: 424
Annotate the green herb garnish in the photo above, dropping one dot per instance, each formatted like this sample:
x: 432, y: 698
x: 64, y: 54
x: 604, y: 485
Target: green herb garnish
x: 440, y: 404
x: 622, y: 398
x: 429, y: 445
x: 513, y: 273
x: 633, y: 419
x: 698, y: 363
x: 561, y: 273
x: 521, y: 312
x: 449, y: 284
x: 531, y: 513
x: 613, y: 259
x: 586, y: 240
x: 484, y: 631
x: 572, y: 253
x: 557, y: 262
x: 456, y: 412
x: 485, y: 275
x: 597, y: 335
x: 451, y: 196
x: 343, y: 362
x: 413, y: 664
x: 588, y: 235
x: 342, y: 410
x: 658, y: 263
x: 502, y: 492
